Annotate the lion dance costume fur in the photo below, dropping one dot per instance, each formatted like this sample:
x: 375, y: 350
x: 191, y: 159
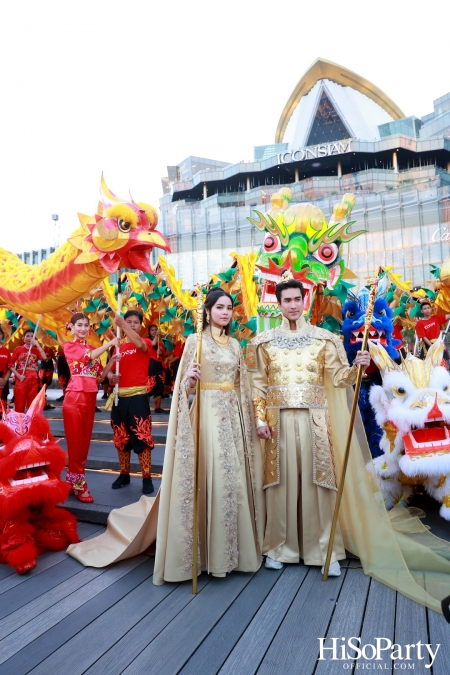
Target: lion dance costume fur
x: 413, y: 408
x: 30, y: 488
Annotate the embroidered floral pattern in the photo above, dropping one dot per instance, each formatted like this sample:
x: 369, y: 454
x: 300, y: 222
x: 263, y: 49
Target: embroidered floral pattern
x: 121, y: 435
x: 222, y: 403
x: 143, y: 430
x: 184, y: 455
x: 77, y: 482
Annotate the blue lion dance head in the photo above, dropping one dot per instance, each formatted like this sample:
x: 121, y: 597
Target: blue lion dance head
x: 381, y: 327
x: 381, y: 331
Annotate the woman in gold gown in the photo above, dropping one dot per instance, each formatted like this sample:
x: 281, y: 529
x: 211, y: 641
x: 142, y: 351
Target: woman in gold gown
x: 231, y: 500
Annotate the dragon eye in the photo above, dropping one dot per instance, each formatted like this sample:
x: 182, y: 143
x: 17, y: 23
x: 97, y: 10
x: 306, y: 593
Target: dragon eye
x: 272, y: 244
x: 326, y: 253
x: 382, y: 312
x: 349, y: 314
x: 399, y: 391
x: 124, y: 225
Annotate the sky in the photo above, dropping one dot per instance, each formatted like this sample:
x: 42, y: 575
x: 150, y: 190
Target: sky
x: 128, y: 87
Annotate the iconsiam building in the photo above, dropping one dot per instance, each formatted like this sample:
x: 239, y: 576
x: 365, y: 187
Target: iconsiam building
x: 338, y: 133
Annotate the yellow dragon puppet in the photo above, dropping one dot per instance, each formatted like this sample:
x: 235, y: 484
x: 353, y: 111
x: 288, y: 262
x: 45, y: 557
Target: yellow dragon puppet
x: 121, y: 234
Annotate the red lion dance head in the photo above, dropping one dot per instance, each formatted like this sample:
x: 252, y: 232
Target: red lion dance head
x: 31, y: 462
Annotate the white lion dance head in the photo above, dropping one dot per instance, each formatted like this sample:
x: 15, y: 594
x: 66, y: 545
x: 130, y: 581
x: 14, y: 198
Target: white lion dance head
x: 413, y: 409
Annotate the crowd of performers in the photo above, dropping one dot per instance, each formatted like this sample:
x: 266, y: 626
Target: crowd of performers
x: 270, y: 447
x: 146, y: 369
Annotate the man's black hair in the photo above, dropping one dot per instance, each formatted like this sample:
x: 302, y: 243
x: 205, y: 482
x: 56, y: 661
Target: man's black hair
x: 292, y: 283
x: 28, y: 330
x: 134, y: 312
x: 425, y: 302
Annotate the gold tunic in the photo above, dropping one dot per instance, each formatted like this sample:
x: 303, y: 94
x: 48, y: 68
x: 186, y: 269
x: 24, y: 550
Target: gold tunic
x: 288, y: 372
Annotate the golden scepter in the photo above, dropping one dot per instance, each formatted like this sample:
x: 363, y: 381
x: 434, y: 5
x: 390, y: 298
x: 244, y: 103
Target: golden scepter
x: 197, y: 441
x: 369, y: 314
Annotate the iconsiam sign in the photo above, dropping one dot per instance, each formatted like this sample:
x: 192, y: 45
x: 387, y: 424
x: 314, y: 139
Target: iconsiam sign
x: 121, y: 234
x: 298, y: 239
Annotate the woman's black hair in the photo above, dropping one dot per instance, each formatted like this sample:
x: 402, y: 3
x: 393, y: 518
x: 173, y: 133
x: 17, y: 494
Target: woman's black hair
x: 211, y: 299
x: 134, y: 312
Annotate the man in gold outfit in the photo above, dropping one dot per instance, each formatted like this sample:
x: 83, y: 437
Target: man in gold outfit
x: 294, y: 369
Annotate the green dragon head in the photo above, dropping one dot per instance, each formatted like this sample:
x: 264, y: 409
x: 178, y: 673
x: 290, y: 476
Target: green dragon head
x: 299, y: 239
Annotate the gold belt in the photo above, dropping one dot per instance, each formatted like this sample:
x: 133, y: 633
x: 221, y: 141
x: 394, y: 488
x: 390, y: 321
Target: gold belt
x: 223, y: 386
x: 125, y: 392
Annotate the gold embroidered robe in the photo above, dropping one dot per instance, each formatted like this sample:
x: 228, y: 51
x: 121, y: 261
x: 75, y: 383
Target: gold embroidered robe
x: 288, y: 389
x: 231, y: 500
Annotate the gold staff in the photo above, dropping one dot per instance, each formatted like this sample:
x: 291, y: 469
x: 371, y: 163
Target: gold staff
x: 197, y: 441
x: 369, y: 314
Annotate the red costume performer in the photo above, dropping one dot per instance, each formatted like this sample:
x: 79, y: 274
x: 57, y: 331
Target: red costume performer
x: 26, y: 356
x: 430, y: 328
x: 5, y: 359
x: 79, y: 410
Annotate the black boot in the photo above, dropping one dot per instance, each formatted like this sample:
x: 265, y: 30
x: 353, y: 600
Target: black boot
x: 121, y: 481
x: 147, y: 486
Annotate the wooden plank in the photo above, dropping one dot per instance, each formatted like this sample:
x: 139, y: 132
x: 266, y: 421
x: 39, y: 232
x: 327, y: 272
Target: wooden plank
x: 15, y: 598
x: 249, y: 651
x: 296, y: 647
x: 439, y: 632
x: 121, y: 654
x: 379, y: 621
x: 347, y: 618
x: 45, y: 561
x: 16, y: 619
x: 188, y: 630
x: 410, y: 627
x: 34, y: 653
x: 100, y: 635
x: 59, y: 609
x: 215, y: 649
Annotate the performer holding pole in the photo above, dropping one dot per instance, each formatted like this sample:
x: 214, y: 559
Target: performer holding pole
x: 80, y: 400
x: 198, y: 359
x: 368, y: 321
x: 25, y: 365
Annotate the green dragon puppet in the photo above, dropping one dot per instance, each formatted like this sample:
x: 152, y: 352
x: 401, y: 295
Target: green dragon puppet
x: 299, y: 239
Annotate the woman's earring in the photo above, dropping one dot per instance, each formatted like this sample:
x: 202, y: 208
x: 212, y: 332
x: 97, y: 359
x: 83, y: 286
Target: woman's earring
x: 207, y: 317
x: 72, y: 332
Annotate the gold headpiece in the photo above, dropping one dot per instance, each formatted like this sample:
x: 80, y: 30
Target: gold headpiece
x: 418, y: 370
x: 286, y: 276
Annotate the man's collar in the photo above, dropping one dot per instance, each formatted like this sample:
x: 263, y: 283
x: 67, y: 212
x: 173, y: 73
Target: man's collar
x: 301, y: 325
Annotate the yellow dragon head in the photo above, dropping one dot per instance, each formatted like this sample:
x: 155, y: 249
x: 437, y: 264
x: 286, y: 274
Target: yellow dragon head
x: 121, y: 234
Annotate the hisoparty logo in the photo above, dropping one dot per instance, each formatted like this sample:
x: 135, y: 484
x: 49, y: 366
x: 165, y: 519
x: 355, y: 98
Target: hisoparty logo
x: 350, y: 651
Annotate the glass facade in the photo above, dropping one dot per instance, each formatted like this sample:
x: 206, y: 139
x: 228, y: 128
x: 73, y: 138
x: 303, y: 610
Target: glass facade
x: 261, y: 152
x: 327, y: 126
x: 408, y: 126
x: 405, y: 227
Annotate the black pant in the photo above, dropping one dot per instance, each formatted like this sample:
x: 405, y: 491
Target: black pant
x: 131, y: 421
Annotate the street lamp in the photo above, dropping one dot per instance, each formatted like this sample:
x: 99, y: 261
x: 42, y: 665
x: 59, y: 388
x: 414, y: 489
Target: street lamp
x: 55, y: 219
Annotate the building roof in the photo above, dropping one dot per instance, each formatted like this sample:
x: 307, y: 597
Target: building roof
x: 322, y: 69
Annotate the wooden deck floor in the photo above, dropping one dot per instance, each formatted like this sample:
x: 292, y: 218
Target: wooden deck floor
x: 64, y: 618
